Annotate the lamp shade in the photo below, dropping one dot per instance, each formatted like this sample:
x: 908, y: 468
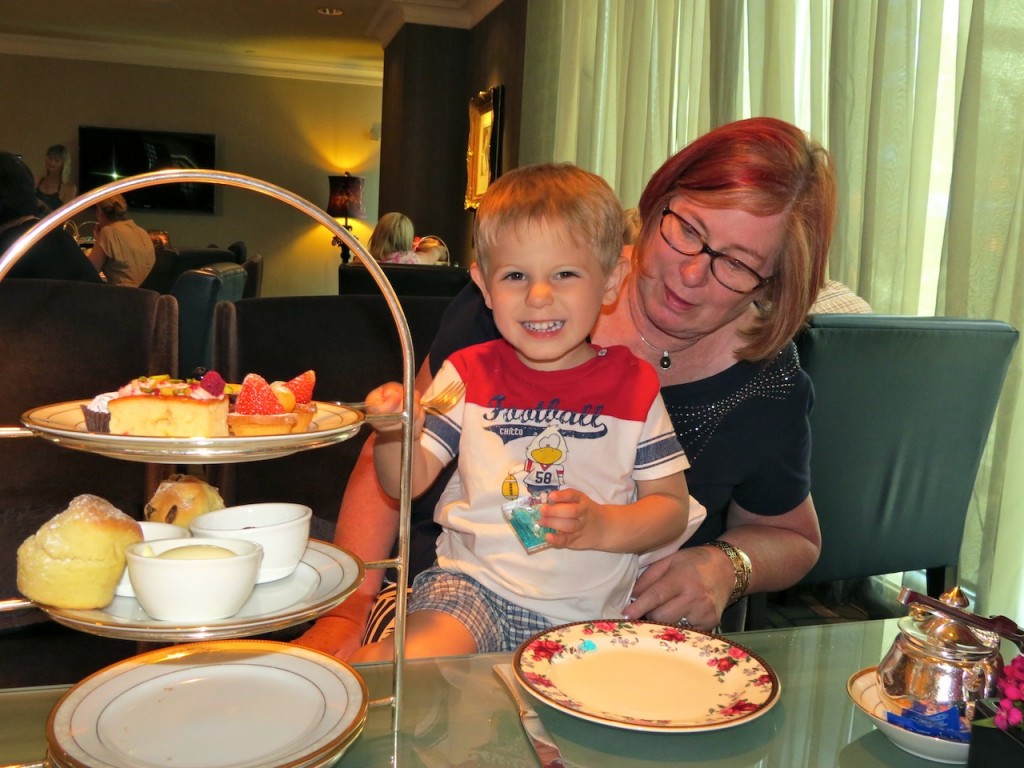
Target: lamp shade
x: 346, y: 197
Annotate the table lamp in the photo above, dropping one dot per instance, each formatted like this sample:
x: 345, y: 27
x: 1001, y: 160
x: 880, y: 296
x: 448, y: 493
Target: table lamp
x: 345, y: 202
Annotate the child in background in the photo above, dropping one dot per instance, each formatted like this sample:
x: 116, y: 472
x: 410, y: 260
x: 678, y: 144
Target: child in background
x: 545, y: 412
x: 391, y: 240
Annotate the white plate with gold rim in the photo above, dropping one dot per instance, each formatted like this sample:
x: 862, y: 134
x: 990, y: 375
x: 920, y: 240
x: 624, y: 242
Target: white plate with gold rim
x: 229, y: 704
x: 864, y: 690
x: 64, y: 424
x: 325, y: 576
x: 644, y: 676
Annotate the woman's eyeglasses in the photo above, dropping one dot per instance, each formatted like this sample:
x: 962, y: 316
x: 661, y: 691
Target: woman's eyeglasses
x: 680, y: 236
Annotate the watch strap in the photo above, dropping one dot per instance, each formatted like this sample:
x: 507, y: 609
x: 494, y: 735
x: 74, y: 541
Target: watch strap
x: 741, y: 568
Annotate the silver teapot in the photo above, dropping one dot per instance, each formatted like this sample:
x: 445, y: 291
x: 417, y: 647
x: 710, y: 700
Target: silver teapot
x: 939, y: 660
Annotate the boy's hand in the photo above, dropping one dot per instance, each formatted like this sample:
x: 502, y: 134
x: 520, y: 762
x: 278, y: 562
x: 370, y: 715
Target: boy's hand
x: 575, y: 517
x: 388, y: 398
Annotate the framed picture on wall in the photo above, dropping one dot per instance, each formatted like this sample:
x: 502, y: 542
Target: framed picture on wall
x: 483, y: 156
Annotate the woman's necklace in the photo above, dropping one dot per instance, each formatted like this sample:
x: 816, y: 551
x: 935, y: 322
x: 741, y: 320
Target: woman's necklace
x: 666, y: 354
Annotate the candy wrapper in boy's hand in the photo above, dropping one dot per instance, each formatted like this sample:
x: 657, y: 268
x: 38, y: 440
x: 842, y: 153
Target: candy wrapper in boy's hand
x: 523, y: 515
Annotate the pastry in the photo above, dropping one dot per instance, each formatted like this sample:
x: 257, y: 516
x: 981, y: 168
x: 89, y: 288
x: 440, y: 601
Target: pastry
x: 273, y: 409
x: 97, y: 414
x: 181, y: 498
x: 76, y: 558
x: 159, y: 406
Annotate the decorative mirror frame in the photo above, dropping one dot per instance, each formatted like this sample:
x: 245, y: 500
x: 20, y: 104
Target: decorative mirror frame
x: 483, y: 156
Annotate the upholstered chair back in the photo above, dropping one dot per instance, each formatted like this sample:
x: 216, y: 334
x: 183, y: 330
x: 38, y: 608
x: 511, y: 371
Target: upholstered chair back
x: 352, y: 344
x: 61, y: 341
x: 902, y: 412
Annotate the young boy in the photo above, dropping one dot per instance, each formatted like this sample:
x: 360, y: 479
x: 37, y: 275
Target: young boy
x: 544, y: 411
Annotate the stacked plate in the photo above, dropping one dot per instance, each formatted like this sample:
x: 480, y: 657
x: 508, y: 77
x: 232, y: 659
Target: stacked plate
x: 224, y: 704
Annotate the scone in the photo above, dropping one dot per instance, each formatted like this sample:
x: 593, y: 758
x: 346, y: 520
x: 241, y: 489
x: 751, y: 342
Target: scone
x: 76, y: 558
x: 181, y: 498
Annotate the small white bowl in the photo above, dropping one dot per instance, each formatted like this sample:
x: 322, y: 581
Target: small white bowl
x: 150, y: 532
x: 192, y: 591
x: 865, y: 691
x: 281, y: 529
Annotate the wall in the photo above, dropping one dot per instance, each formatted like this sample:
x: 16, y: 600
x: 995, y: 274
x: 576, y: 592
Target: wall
x: 289, y: 132
x: 430, y: 74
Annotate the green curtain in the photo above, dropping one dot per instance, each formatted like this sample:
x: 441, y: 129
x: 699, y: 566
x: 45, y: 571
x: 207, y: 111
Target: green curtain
x: 921, y: 103
x: 982, y: 275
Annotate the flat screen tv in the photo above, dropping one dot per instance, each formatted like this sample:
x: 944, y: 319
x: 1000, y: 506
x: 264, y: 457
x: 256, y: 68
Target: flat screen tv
x: 108, y: 154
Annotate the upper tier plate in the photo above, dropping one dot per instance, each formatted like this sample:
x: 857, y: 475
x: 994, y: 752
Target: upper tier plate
x: 64, y: 424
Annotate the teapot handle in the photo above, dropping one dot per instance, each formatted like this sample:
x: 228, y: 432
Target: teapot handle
x: 1001, y: 625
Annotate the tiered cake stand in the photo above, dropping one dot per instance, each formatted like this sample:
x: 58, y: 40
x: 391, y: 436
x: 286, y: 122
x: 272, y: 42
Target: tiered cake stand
x: 341, y: 571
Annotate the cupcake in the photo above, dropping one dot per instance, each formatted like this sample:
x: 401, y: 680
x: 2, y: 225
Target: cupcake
x: 97, y: 414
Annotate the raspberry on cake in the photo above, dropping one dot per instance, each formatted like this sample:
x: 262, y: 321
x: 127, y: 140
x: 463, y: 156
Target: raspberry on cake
x: 273, y: 409
x: 160, y: 406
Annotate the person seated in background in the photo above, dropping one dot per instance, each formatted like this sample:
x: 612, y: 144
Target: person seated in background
x: 430, y: 249
x: 54, y: 187
x: 123, y: 251
x: 391, y: 241
x: 56, y: 256
x: 600, y: 460
x: 838, y: 298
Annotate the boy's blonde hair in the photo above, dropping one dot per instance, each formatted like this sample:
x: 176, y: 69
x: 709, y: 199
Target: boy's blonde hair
x: 551, y: 194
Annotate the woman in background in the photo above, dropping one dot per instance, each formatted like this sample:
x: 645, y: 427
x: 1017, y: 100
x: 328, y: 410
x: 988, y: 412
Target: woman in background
x: 54, y: 187
x: 124, y: 252
x: 56, y: 256
x: 391, y: 241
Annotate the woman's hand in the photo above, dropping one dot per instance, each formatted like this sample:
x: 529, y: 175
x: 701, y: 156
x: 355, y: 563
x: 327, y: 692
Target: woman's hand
x: 692, y: 584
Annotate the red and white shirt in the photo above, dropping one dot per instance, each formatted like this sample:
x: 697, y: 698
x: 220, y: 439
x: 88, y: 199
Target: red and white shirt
x: 599, y: 427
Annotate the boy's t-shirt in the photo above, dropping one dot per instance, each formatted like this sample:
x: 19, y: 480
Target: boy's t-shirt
x: 598, y: 427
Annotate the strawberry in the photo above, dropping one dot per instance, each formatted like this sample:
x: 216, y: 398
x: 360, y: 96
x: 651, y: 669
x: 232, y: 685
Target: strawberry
x: 213, y: 383
x: 302, y: 386
x: 256, y: 397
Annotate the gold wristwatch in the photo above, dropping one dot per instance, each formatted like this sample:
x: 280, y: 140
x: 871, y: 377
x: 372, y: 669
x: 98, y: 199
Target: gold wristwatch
x: 741, y: 568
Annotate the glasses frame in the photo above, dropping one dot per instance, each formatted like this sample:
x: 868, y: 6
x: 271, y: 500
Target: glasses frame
x: 714, y: 255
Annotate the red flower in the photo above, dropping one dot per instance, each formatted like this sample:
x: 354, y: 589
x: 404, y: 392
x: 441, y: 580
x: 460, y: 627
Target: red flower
x: 737, y: 653
x: 546, y: 649
x: 606, y: 626
x: 740, y: 707
x: 671, y: 635
x: 538, y: 680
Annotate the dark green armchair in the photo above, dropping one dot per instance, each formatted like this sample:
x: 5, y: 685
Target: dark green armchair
x: 902, y: 411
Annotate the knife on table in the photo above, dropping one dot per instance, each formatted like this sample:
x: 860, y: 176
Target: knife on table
x: 543, y: 745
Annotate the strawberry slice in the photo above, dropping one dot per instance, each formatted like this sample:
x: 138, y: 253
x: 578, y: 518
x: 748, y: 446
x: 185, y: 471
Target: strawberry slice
x: 256, y: 397
x: 302, y: 386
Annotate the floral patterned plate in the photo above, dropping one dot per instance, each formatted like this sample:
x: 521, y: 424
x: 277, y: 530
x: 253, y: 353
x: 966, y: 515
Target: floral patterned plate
x: 644, y: 676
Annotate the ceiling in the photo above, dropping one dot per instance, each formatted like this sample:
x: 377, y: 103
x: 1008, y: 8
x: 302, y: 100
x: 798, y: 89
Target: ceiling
x: 288, y: 38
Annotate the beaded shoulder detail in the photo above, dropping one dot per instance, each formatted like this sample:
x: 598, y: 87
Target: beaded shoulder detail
x: 696, y: 424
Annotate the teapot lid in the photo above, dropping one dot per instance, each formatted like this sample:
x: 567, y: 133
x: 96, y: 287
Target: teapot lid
x: 944, y: 634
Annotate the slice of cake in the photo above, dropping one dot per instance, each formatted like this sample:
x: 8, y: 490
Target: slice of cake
x: 159, y: 406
